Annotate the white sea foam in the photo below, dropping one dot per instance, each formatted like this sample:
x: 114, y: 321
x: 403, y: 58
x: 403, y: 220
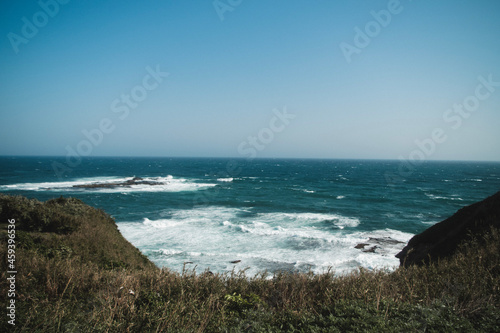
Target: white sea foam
x: 169, y: 252
x: 437, y: 197
x: 213, y: 236
x: 162, y: 223
x: 171, y: 184
x: 298, y: 188
x: 58, y: 186
x: 209, y: 214
x: 228, y: 180
x: 335, y: 219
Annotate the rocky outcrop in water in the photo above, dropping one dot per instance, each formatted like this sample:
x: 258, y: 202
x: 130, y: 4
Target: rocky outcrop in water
x: 442, y: 239
x: 127, y: 183
x: 376, y: 243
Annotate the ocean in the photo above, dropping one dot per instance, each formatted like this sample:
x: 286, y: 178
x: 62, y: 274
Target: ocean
x: 264, y: 214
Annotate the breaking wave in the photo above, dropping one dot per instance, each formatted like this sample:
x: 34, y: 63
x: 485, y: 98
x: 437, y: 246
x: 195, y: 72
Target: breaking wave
x: 115, y: 185
x: 215, y: 237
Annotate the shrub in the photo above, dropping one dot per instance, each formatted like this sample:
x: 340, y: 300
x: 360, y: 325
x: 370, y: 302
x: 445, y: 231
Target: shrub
x: 66, y: 283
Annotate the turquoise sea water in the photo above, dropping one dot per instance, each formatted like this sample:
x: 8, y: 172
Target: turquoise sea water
x: 268, y: 214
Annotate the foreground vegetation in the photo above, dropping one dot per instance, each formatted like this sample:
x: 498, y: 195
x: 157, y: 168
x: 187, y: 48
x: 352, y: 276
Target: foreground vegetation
x: 76, y: 273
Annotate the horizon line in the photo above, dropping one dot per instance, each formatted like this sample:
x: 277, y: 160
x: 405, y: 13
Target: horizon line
x: 256, y: 158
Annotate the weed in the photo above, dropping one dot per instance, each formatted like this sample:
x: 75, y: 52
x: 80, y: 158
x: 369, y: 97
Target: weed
x: 67, y: 283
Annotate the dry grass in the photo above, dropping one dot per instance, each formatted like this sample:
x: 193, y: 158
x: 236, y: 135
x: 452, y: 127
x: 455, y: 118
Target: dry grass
x: 74, y: 290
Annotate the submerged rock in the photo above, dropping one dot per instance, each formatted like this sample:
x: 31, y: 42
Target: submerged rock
x: 377, y: 243
x: 384, y: 240
x: 371, y: 250
x: 127, y: 183
x: 442, y: 239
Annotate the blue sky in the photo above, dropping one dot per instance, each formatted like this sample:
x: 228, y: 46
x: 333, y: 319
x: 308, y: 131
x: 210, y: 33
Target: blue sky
x: 234, y: 65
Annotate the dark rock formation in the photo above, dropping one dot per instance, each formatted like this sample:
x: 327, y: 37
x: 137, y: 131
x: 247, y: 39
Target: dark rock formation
x: 377, y: 243
x: 442, y: 239
x: 127, y: 183
x: 384, y: 240
x: 371, y: 250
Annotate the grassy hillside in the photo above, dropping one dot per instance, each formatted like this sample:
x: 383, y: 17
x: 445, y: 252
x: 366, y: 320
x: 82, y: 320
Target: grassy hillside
x: 69, y: 229
x: 76, y: 273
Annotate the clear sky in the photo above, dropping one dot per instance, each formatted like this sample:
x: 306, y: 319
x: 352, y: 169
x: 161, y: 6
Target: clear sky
x: 251, y: 78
